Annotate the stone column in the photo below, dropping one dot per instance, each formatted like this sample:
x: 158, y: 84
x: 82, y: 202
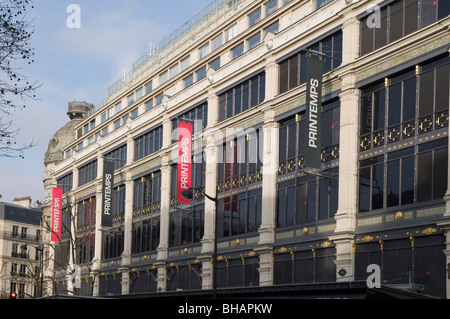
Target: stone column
x: 345, y: 217
x: 348, y: 177
x: 166, y: 174
x: 130, y: 148
x: 269, y: 198
x: 210, y: 156
x: 128, y: 232
x: 210, y: 224
x: 98, y: 225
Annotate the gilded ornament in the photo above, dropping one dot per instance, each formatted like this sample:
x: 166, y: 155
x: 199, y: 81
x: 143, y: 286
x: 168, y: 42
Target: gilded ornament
x: 367, y: 238
x: 325, y: 244
x: 305, y: 231
x: 398, y: 216
x: 429, y: 231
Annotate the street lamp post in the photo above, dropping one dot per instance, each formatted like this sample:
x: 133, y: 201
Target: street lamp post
x: 189, y: 195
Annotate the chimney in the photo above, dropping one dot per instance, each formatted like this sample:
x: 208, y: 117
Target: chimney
x: 24, y: 202
x: 37, y: 204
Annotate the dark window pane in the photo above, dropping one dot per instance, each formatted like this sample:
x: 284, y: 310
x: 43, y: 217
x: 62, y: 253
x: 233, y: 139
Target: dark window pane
x: 401, y: 153
x: 381, y: 33
x: 290, y: 207
x: 393, y: 174
x: 326, y: 128
x: 424, y: 177
x: 292, y: 140
x: 364, y: 189
x: 395, y: 100
x: 281, y: 221
x: 301, y: 128
x: 237, y: 100
x: 262, y: 88
x: 327, y: 47
x: 440, y: 173
x: 444, y: 9
x: 366, y: 38
x: 242, y: 215
x: 409, y: 99
x: 323, y: 198
x: 303, y: 68
x: 222, y: 107
x: 302, y: 204
x: 335, y: 124
x: 432, y: 145
x: 337, y: 51
x: 311, y: 201
x: 407, y: 196
x: 254, y: 92
x: 442, y: 88
x: 245, y: 96
x: 411, y: 12
x: 284, y: 79
x: 428, y: 12
x: 283, y: 143
x: 377, y: 186
x: 251, y: 225
x: 366, y: 114
x: 230, y: 104
x: 396, y: 21
x: 293, y: 71
x: 334, y: 196
x: 426, y: 93
x: 379, y: 109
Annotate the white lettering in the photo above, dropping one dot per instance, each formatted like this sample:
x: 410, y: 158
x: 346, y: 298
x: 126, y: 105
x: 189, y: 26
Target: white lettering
x: 108, y: 191
x: 74, y: 20
x: 313, y: 110
x: 374, y: 279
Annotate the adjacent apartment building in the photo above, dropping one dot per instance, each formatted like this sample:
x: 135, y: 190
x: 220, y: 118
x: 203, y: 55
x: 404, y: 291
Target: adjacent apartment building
x: 20, y: 249
x: 238, y: 71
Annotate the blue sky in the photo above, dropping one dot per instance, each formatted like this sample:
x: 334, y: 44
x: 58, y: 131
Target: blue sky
x: 80, y: 64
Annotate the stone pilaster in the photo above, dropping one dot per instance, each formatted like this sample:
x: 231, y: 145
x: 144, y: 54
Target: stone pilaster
x: 210, y: 225
x: 128, y: 232
x: 269, y: 194
x: 166, y: 173
x: 348, y: 153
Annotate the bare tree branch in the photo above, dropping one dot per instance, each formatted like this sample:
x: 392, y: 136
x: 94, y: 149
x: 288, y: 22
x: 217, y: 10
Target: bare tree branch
x: 15, y: 88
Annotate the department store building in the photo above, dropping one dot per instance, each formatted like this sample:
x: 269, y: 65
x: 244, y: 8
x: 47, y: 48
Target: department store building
x: 237, y: 70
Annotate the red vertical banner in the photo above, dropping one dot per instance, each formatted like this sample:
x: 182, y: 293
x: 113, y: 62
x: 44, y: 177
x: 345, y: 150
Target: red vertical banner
x: 184, y: 160
x: 56, y: 214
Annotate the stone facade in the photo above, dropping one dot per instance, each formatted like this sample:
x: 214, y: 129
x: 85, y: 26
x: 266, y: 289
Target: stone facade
x: 156, y: 244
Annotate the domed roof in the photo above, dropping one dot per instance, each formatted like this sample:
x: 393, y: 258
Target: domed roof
x: 67, y: 134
